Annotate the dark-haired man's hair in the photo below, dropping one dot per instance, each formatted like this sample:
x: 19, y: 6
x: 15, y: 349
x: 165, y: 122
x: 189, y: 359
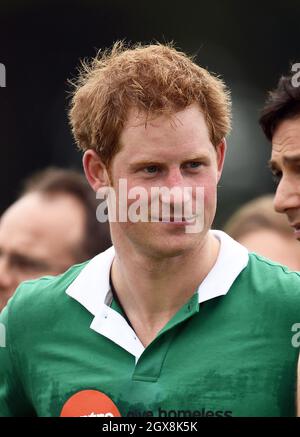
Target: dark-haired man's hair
x: 282, y: 103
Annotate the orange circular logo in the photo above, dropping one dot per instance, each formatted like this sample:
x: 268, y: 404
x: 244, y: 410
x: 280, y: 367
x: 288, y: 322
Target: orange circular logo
x: 89, y: 403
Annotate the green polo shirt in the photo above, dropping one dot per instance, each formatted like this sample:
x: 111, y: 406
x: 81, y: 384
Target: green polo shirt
x: 227, y: 352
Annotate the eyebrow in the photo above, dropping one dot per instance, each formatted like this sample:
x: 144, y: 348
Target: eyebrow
x: 272, y: 165
x: 149, y: 162
x: 144, y: 163
x: 33, y: 262
x: 289, y: 159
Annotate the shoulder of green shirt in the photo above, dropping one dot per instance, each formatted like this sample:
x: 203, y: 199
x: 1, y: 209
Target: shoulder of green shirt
x: 268, y: 265
x: 274, y: 279
x: 28, y: 315
x: 34, y: 297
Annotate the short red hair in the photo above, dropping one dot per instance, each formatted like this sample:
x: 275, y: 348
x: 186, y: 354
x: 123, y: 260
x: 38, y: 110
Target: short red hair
x: 155, y: 79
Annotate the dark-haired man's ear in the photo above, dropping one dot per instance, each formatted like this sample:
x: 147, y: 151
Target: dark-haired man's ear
x: 95, y: 171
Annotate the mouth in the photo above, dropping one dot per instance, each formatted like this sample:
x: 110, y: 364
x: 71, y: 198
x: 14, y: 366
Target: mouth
x: 296, y: 228
x: 175, y: 220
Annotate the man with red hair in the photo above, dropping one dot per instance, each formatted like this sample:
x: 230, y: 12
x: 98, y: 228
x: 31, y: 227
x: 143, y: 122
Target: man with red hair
x: 175, y: 319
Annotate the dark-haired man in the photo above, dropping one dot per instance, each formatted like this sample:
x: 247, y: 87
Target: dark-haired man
x: 280, y: 121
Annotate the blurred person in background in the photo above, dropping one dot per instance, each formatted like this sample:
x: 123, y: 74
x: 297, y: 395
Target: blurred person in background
x: 262, y: 230
x: 50, y: 227
x: 280, y: 121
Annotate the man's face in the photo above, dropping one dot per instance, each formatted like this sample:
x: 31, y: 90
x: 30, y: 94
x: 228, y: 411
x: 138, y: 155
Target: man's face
x: 285, y: 165
x: 166, y: 152
x: 38, y: 236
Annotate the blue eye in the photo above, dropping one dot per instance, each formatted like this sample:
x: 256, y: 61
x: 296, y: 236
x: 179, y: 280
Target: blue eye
x: 151, y: 169
x: 193, y: 164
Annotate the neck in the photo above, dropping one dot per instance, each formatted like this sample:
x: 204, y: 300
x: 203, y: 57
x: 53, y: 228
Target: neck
x: 151, y: 291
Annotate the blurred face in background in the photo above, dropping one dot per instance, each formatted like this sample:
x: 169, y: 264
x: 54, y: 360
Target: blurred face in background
x: 278, y: 246
x: 39, y: 235
x: 285, y: 165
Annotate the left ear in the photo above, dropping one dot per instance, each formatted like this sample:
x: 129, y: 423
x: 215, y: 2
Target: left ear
x: 221, y: 152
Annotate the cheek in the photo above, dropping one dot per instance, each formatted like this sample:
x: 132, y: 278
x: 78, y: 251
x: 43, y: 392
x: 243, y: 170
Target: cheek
x: 130, y: 192
x: 210, y: 197
x: 209, y: 184
x: 210, y: 192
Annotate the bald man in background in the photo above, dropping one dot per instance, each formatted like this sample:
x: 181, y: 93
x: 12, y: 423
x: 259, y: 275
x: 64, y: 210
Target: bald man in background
x: 50, y: 227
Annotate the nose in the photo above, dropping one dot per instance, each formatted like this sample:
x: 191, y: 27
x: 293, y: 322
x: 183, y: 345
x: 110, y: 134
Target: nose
x: 174, y: 178
x: 177, y: 193
x: 287, y: 195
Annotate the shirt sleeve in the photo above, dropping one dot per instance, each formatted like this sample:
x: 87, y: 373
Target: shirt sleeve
x: 13, y: 402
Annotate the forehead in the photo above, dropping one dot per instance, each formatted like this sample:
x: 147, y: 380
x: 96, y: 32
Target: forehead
x: 177, y: 133
x: 35, y: 223
x: 286, y: 139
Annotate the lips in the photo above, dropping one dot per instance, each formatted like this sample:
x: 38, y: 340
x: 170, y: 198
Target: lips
x: 296, y: 227
x: 174, y: 219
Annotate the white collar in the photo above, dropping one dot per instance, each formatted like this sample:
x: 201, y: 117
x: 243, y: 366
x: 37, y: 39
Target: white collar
x: 91, y: 288
x: 232, y: 259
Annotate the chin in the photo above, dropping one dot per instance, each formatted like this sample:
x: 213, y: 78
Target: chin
x: 169, y: 248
